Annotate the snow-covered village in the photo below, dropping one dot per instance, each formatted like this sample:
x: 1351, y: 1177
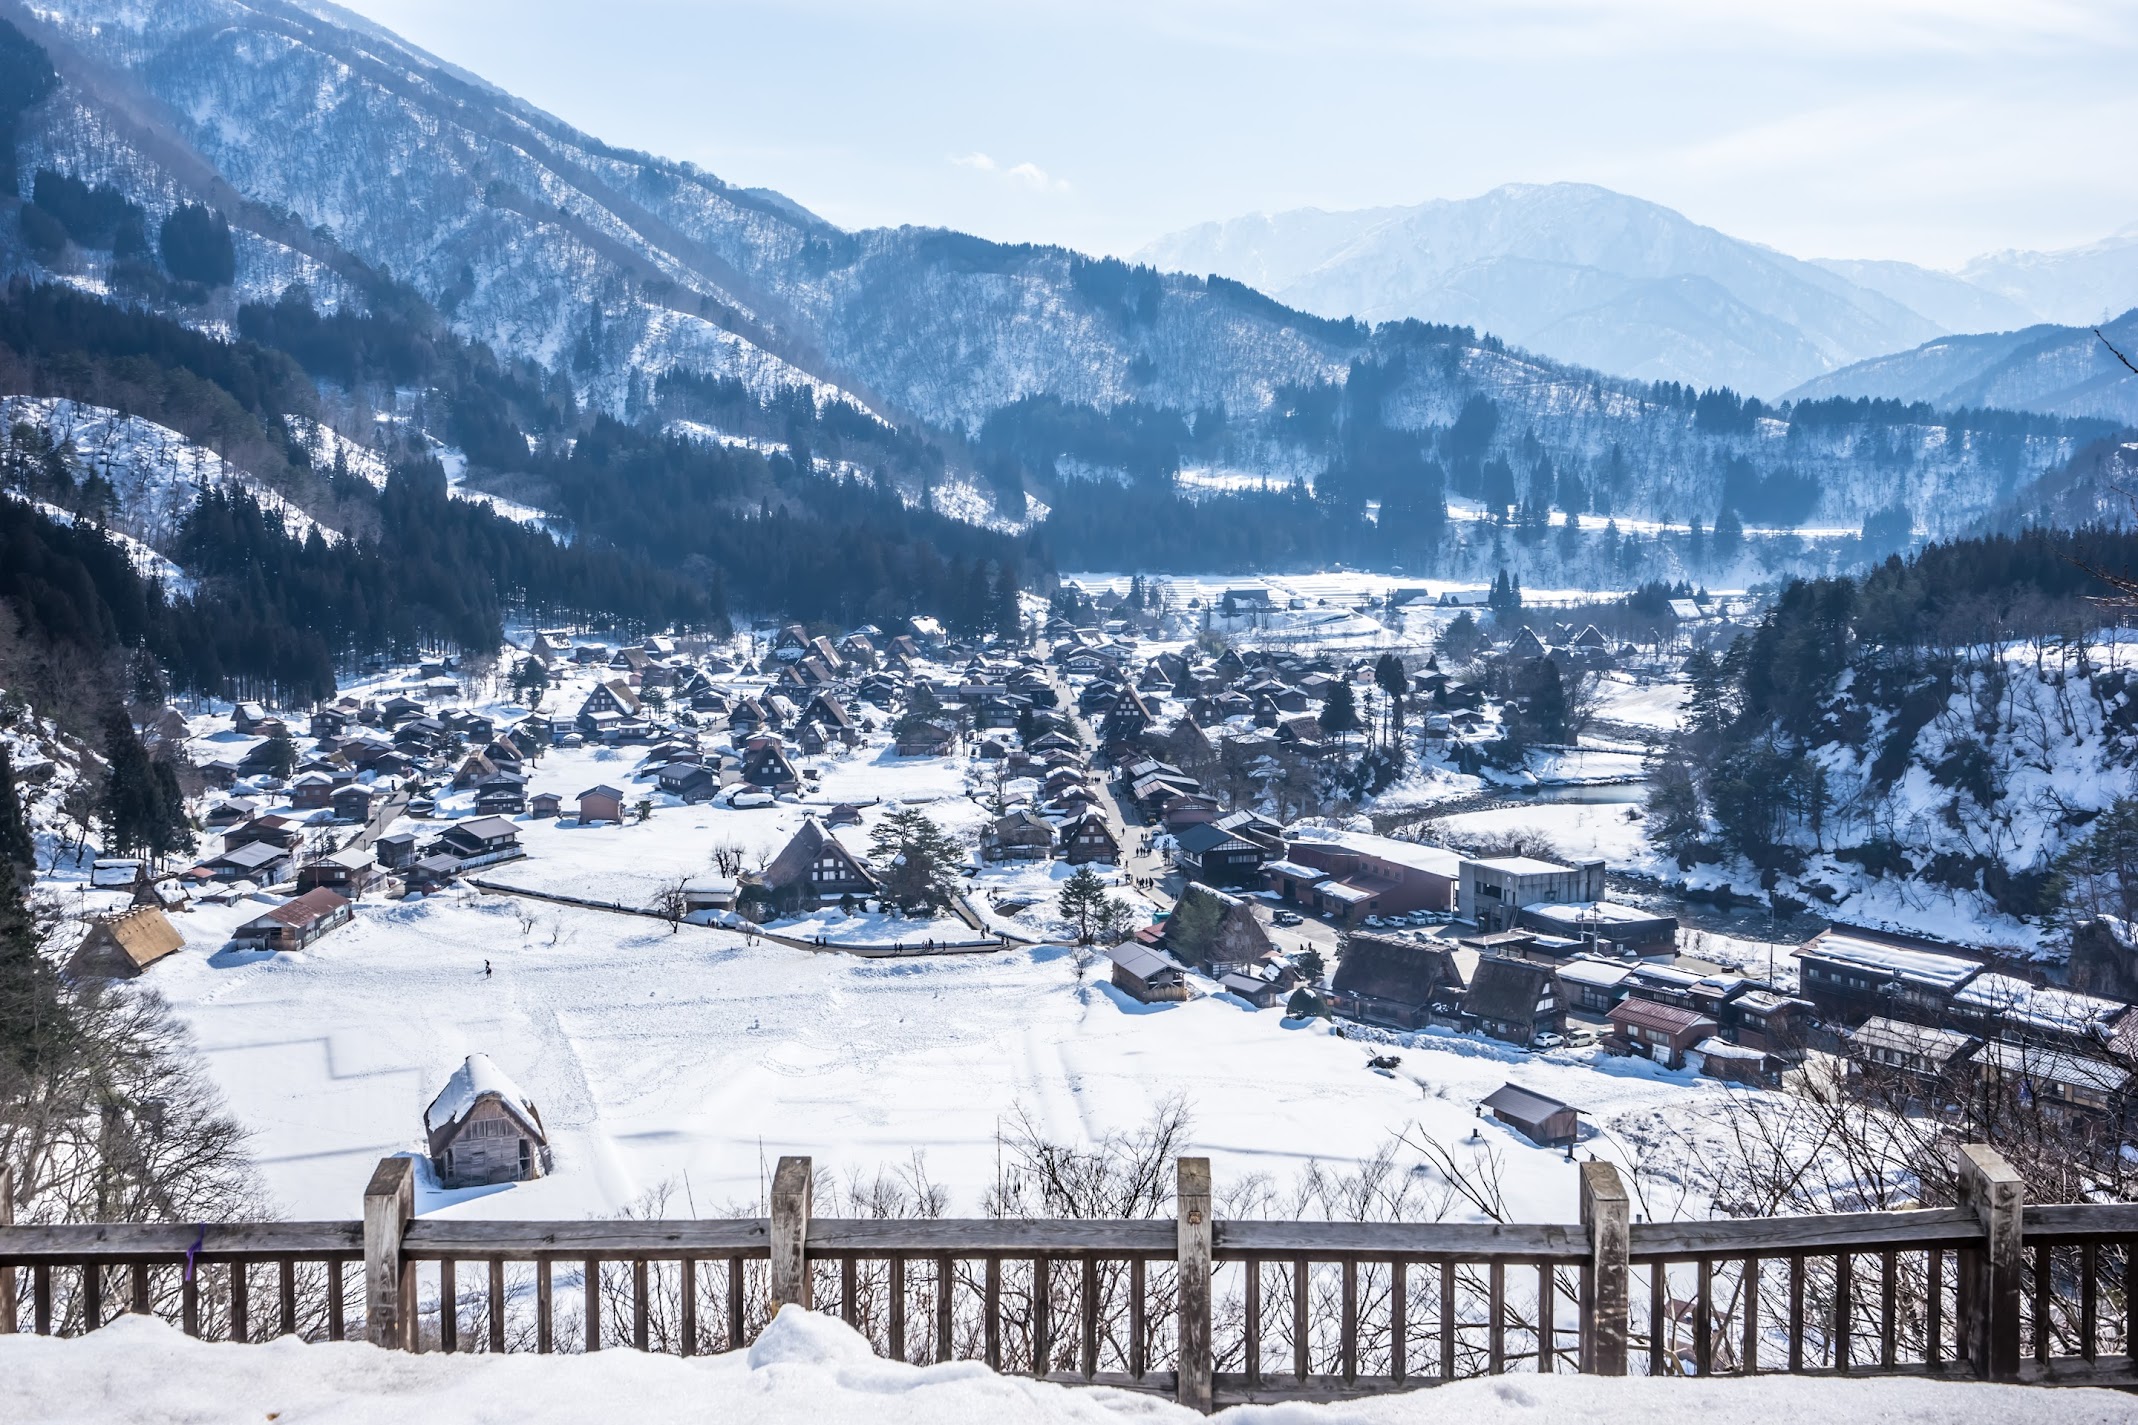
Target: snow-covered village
x: 620, y: 795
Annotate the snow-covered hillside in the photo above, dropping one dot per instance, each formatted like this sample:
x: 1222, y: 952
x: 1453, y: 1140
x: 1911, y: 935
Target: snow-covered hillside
x: 325, y: 141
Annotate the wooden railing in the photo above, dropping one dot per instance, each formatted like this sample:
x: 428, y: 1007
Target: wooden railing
x: 1211, y: 1312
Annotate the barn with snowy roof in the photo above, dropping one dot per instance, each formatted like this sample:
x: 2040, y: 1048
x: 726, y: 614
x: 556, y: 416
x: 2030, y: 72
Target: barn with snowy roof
x: 483, y: 1129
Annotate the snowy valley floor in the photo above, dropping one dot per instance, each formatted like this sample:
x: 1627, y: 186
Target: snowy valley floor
x: 812, y: 1370
x: 691, y: 1061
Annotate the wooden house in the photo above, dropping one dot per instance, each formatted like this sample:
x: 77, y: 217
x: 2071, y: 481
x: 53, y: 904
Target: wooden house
x: 395, y: 850
x: 352, y: 803
x: 1542, y: 1120
x: 261, y: 862
x: 1650, y: 1029
x: 479, y: 841
x: 1515, y: 1000
x: 482, y: 1129
x: 929, y: 739
x: 813, y: 868
x: 345, y: 872
x: 765, y: 765
x: 294, y: 924
x: 1019, y: 836
x: 600, y: 803
x: 1147, y: 975
x: 1398, y: 980
x: 545, y: 804
x: 1089, y: 838
x: 122, y: 946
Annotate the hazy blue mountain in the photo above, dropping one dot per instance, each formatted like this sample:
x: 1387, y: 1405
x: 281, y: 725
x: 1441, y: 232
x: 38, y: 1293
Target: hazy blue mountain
x: 1589, y: 275
x: 2055, y: 369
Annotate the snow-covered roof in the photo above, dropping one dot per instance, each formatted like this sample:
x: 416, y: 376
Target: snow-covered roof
x: 1591, y: 910
x: 1294, y: 870
x: 1947, y: 972
x: 2024, y: 1060
x: 1521, y: 866
x: 1602, y: 974
x: 1414, y: 855
x: 478, y: 1075
x: 2018, y: 1002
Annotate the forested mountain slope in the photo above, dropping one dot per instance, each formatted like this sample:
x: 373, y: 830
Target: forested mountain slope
x: 1125, y: 400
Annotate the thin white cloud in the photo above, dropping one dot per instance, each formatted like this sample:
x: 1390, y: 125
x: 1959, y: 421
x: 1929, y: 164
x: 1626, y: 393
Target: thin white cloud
x: 1029, y: 176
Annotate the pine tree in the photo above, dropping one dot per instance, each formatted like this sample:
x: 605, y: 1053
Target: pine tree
x: 916, y: 860
x: 17, y: 849
x: 130, y: 808
x: 1339, y: 710
x: 1084, y: 903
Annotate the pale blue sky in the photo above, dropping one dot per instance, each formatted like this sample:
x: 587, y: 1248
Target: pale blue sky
x: 1928, y: 130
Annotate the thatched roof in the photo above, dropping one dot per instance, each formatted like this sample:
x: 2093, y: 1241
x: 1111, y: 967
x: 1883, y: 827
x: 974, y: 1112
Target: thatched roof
x: 1398, y: 971
x: 124, y: 945
x: 1508, y: 989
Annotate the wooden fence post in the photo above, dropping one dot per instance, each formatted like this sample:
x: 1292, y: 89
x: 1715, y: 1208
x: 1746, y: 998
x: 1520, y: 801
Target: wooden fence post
x: 793, y: 1194
x: 7, y: 1274
x: 1993, y: 1189
x: 1606, y: 1288
x: 1192, y: 1197
x: 389, y: 1278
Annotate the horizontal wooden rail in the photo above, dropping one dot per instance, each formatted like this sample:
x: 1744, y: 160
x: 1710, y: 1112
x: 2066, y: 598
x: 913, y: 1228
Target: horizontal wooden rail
x: 666, y: 1239
x: 1838, y: 1232
x: 121, y: 1242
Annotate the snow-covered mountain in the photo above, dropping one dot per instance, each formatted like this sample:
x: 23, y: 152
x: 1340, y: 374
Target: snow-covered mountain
x: 338, y: 151
x: 1584, y: 273
x: 2058, y: 369
x: 1637, y: 289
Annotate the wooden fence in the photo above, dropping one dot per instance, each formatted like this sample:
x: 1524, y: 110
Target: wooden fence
x: 1211, y: 1312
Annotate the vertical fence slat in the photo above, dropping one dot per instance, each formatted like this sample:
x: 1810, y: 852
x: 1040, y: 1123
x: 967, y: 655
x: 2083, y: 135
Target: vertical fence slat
x: 1135, y: 1317
x: 1888, y: 1308
x: 2089, y: 1300
x: 139, y: 1275
x: 1704, y: 1316
x: 1348, y: 1323
x: 1844, y: 1311
x: 590, y: 1289
x: 638, y: 1304
x: 497, y: 1306
x: 189, y: 1300
x: 898, y: 1308
x: 687, y: 1296
x: 286, y: 1288
x: 7, y: 1274
x: 1934, y: 1324
x: 1088, y: 1304
x: 1796, y: 1311
x: 849, y: 1289
x: 1299, y: 1318
x: 1658, y: 1314
x: 1748, y: 1351
x: 1547, y: 1338
x: 337, y: 1306
x: 944, y: 1283
x: 1042, y: 1316
x: 545, y: 1306
x: 1496, y: 1327
x: 448, y: 1306
x: 1252, y: 1323
x: 735, y: 1271
x: 92, y: 1295
x: 2042, y: 1283
x: 1447, y: 1320
x: 1398, y: 1318
x: 240, y: 1301
x: 991, y: 1312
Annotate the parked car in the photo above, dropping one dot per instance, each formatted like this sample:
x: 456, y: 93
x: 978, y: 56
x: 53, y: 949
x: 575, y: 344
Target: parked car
x: 1285, y: 917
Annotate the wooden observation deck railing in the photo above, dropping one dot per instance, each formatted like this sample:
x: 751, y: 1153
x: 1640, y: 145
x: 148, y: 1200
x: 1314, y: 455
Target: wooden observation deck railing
x: 1211, y: 1312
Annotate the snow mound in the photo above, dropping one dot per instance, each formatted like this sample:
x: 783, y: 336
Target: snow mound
x: 813, y: 1370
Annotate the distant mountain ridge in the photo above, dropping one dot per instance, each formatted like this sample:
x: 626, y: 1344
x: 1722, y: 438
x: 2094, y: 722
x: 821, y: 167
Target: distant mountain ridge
x: 1028, y: 370
x: 2058, y: 370
x: 1636, y: 289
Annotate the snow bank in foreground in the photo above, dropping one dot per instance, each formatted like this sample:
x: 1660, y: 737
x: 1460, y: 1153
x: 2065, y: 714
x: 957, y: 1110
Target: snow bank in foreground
x: 812, y: 1370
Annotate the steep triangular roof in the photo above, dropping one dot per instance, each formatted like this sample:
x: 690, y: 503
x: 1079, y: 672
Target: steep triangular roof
x: 478, y: 1078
